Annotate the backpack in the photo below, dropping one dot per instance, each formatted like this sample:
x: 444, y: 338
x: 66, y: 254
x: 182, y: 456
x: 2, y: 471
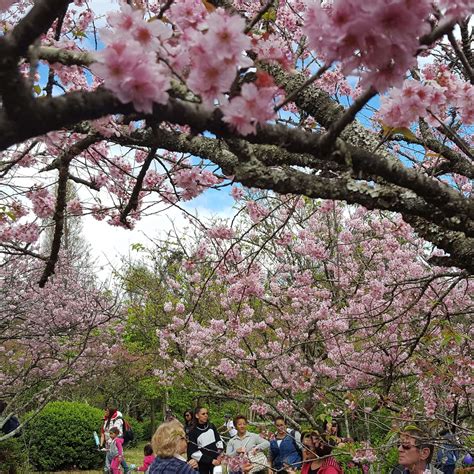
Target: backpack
x: 127, y: 431
x: 11, y: 425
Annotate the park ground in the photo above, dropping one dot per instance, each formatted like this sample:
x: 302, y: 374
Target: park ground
x: 132, y: 455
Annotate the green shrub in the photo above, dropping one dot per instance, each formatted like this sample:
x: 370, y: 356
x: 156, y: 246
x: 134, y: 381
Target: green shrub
x: 13, y: 456
x: 60, y: 437
x: 141, y: 430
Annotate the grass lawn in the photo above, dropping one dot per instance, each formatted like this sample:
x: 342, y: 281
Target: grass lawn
x: 132, y: 456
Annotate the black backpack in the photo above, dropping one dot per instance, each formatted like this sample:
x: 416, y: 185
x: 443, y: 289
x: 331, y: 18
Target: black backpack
x: 11, y: 425
x: 127, y: 431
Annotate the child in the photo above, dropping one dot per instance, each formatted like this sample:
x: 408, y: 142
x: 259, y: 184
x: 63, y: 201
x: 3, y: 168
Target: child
x: 115, y: 452
x: 147, y: 460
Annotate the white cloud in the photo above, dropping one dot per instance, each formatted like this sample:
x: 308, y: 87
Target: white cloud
x: 111, y: 245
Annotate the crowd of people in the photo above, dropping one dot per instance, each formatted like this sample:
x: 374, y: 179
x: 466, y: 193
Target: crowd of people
x: 196, y: 445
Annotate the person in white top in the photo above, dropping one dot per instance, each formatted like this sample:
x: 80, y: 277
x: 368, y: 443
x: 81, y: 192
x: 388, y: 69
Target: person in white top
x: 229, y: 426
x: 245, y: 441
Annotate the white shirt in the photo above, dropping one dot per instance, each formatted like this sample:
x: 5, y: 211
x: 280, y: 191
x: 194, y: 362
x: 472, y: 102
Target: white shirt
x: 231, y: 428
x: 248, y: 442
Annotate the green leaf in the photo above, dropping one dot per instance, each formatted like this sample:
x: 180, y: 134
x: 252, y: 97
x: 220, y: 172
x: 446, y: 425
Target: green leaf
x: 391, y: 131
x: 79, y: 34
x: 270, y: 15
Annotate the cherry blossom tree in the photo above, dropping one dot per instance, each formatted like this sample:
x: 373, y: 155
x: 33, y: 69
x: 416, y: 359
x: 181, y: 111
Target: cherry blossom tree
x: 161, y: 100
x: 51, y: 337
x: 299, y: 308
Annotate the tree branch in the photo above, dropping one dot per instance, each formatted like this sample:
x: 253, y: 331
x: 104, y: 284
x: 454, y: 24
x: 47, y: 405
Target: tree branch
x: 61, y: 202
x: 133, y: 201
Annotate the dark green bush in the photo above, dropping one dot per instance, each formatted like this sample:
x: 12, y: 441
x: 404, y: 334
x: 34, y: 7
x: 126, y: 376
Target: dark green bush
x: 13, y: 457
x: 61, y: 437
x: 140, y: 430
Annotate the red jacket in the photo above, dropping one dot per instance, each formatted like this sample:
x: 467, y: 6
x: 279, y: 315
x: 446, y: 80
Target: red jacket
x: 329, y: 466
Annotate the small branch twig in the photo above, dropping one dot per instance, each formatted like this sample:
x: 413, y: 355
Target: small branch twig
x: 462, y: 57
x: 259, y: 16
x: 328, y: 139
x: 133, y: 201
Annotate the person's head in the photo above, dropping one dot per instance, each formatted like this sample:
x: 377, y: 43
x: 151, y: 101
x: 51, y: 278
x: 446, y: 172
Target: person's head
x: 307, y: 439
x: 414, y: 449
x: 308, y: 446
x: 331, y: 427
x: 109, y: 411
x: 114, y: 432
x: 240, y: 424
x: 148, y: 449
x: 188, y: 417
x: 323, y: 444
x: 201, y: 414
x: 280, y: 424
x: 169, y: 439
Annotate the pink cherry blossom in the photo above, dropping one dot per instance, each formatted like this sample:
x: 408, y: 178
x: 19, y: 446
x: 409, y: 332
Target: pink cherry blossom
x: 220, y: 232
x: 253, y: 106
x: 43, y: 202
x: 75, y: 207
x: 226, y: 34
x: 381, y: 37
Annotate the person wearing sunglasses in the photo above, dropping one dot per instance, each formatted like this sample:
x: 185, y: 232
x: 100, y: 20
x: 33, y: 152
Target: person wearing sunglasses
x: 188, y: 421
x: 415, y: 452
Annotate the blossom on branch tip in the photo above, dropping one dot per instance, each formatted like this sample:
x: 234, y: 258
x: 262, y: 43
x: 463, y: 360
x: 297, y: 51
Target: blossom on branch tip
x: 253, y: 106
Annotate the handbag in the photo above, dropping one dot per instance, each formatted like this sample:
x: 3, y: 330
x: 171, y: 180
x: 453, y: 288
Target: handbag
x: 259, y: 461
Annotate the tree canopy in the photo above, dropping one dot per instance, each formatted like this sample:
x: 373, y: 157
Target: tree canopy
x: 343, y: 131
x: 280, y: 96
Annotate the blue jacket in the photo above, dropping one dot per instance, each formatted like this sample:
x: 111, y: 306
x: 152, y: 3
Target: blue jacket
x: 447, y: 455
x: 286, y: 453
x: 170, y: 466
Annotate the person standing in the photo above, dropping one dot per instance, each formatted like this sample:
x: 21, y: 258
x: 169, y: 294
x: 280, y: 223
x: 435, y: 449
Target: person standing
x: 12, y: 423
x: 284, y: 450
x: 448, y: 454
x: 204, y: 442
x: 319, y: 459
x: 229, y: 425
x: 114, y: 455
x: 188, y: 421
x: 112, y: 419
x: 250, y: 444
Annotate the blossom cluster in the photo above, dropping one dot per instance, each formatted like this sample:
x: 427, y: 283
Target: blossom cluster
x: 207, y: 50
x: 253, y: 106
x: 128, y: 63
x: 216, y: 54
x: 43, y: 202
x: 379, y: 37
x: 194, y: 181
x: 440, y: 90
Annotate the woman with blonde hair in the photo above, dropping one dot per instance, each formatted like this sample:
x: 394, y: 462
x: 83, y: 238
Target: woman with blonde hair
x: 170, y: 444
